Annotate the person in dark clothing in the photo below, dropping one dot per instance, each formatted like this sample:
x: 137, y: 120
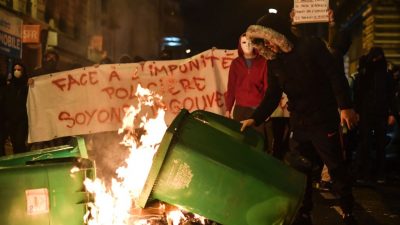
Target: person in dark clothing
x: 374, y: 100
x: 13, y: 107
x: 339, y: 41
x: 395, y: 71
x: 247, y: 83
x: 3, y: 82
x: 303, y: 68
x: 49, y: 64
x: 125, y: 59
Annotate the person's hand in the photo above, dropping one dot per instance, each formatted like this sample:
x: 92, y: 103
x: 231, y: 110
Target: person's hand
x: 349, y: 118
x: 331, y: 18
x: 292, y: 13
x: 246, y: 123
x: 31, y: 82
x: 228, y: 114
x: 391, y: 120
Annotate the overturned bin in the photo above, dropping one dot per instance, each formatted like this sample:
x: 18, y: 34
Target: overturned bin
x: 205, y: 165
x: 45, y: 186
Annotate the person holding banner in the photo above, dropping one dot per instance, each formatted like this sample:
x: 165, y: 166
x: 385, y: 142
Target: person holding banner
x: 247, y: 83
x: 304, y: 69
x: 49, y: 65
x: 13, y: 109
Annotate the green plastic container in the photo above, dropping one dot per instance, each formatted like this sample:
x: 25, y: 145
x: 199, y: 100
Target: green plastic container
x: 77, y: 149
x: 205, y: 165
x: 43, y: 190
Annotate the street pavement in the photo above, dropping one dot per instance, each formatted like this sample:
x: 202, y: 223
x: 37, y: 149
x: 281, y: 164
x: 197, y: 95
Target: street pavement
x: 376, y: 204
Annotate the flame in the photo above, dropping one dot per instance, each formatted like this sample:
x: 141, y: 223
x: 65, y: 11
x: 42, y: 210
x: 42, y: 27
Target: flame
x: 175, y: 217
x: 112, y: 207
x: 143, y: 135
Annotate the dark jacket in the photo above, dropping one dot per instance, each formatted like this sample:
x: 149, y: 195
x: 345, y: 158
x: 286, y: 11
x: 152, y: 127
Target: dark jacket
x: 47, y: 68
x: 15, y: 96
x: 374, y: 88
x: 314, y: 84
x: 3, y: 82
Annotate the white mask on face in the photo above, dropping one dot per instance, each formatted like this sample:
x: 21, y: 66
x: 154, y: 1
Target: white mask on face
x: 17, y: 73
x: 246, y: 45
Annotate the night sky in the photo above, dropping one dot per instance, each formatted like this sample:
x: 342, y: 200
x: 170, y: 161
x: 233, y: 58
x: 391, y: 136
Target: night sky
x: 219, y: 23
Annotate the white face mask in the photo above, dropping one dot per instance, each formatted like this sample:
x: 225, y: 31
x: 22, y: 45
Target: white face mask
x: 246, y: 45
x: 17, y: 73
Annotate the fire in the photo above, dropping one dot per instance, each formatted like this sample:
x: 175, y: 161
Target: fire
x: 143, y: 135
x: 175, y: 216
x: 113, y: 207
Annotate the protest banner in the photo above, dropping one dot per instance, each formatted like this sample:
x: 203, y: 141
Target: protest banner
x: 94, y: 99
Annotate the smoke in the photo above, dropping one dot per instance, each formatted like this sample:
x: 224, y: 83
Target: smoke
x: 107, y: 153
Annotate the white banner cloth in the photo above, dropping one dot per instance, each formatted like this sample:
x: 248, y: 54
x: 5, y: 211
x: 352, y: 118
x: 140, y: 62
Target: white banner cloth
x: 92, y: 99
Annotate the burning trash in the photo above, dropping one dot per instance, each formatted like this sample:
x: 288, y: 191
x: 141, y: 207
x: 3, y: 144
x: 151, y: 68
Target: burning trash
x: 201, y: 164
x: 199, y: 170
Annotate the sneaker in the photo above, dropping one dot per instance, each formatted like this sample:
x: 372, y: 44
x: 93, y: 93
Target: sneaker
x: 303, y: 219
x: 349, y: 219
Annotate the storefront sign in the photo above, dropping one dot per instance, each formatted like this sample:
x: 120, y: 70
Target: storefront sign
x: 31, y: 34
x: 10, y: 35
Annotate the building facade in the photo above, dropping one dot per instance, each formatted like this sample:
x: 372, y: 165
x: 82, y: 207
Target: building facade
x: 83, y: 32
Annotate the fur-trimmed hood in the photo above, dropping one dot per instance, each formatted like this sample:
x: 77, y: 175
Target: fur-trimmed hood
x: 274, y: 29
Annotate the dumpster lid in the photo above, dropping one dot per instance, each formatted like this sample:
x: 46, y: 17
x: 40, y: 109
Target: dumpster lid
x: 77, y: 149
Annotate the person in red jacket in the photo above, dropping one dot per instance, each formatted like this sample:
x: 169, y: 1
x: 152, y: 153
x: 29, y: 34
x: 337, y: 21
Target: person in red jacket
x: 247, y: 84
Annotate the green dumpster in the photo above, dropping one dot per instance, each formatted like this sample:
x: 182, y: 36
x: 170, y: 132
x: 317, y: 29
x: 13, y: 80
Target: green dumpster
x: 77, y: 149
x: 40, y: 187
x: 205, y: 165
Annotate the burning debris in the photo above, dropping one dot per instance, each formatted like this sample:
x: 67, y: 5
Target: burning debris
x: 201, y: 164
x: 160, y: 213
x: 143, y: 128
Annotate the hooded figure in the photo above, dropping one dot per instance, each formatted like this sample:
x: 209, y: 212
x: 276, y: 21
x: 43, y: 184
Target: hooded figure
x: 304, y: 69
x: 247, y: 83
x: 14, y: 110
x: 374, y: 98
x: 247, y: 77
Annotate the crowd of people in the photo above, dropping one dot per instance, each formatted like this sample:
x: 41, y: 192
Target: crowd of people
x: 331, y: 122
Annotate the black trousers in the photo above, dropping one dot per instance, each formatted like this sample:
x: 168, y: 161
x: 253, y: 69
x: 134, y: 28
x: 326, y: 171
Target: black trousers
x: 18, y: 133
x: 314, y: 143
x: 281, y: 130
x: 265, y: 129
x: 372, y: 130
